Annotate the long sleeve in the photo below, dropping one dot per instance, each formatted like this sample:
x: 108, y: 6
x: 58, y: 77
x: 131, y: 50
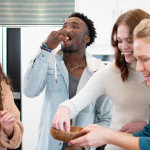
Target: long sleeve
x: 144, y: 143
x: 8, y: 103
x: 144, y: 133
x: 144, y: 140
x: 34, y: 80
x: 94, y: 88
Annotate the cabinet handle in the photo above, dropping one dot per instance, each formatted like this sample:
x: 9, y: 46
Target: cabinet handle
x: 16, y: 95
x: 120, y: 12
x: 114, y: 16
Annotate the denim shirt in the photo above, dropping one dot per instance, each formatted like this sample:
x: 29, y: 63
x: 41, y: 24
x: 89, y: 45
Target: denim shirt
x: 41, y: 75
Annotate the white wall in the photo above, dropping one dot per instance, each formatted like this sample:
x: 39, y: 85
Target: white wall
x: 104, y: 14
x: 3, y: 54
x: 0, y: 45
x: 31, y: 39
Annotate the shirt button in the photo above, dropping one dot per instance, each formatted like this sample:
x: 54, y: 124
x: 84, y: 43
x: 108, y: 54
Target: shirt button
x: 42, y: 55
x: 60, y: 143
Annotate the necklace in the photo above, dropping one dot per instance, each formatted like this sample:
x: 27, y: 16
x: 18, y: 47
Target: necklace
x: 73, y: 68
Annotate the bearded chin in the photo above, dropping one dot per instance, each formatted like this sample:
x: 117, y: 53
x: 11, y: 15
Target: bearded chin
x: 67, y: 49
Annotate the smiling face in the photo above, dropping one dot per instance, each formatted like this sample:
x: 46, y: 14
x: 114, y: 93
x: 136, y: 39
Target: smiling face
x: 142, y: 54
x: 77, y: 33
x: 125, y: 44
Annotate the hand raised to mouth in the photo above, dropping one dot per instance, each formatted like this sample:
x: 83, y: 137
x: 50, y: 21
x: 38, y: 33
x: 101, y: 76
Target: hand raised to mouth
x: 55, y: 37
x: 63, y: 38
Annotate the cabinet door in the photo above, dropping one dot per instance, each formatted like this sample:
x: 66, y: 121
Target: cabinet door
x: 1, y: 45
x: 125, y: 5
x: 103, y: 14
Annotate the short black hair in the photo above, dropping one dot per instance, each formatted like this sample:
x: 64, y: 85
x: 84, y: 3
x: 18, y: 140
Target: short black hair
x: 90, y: 25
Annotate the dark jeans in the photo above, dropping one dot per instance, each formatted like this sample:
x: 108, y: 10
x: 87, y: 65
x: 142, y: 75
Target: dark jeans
x: 65, y: 144
x: 101, y: 148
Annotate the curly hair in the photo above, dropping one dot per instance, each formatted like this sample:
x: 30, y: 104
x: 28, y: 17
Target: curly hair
x: 90, y: 25
x: 131, y: 18
x: 5, y: 78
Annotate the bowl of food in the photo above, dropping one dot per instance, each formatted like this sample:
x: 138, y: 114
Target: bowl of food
x: 74, y: 133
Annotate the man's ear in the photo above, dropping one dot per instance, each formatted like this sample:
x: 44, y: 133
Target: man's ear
x: 87, y: 39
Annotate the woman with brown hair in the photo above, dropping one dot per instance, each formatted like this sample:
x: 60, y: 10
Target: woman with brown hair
x: 130, y: 20
x: 11, y: 129
x: 119, y: 80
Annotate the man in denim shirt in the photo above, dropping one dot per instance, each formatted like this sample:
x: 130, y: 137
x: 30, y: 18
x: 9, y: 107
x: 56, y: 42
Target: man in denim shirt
x: 62, y: 74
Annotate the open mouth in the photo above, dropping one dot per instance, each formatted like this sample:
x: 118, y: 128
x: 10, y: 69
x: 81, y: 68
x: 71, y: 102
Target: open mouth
x: 66, y: 38
x: 69, y: 38
x: 128, y: 53
x: 146, y: 78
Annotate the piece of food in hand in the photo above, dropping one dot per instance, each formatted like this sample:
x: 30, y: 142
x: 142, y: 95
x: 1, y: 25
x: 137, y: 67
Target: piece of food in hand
x: 62, y: 37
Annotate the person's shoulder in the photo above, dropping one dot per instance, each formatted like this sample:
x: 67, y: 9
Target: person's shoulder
x: 109, y: 65
x: 7, y: 94
x: 109, y: 68
x: 91, y: 57
x: 113, y: 67
x: 94, y: 61
x: 5, y: 86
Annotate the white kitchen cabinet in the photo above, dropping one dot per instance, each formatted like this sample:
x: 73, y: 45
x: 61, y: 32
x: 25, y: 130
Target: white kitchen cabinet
x: 104, y: 14
x: 3, y: 47
x: 0, y: 45
x: 125, y: 5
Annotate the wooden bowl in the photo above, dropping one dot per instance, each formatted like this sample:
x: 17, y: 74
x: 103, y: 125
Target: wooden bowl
x: 67, y: 136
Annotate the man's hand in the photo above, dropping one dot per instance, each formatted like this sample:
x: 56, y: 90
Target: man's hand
x: 55, y: 37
